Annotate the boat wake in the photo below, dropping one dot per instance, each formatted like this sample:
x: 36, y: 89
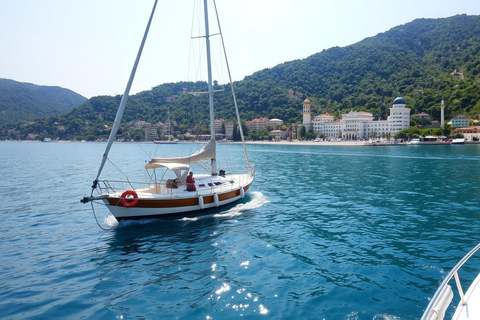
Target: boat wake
x: 257, y: 200
x: 111, y: 221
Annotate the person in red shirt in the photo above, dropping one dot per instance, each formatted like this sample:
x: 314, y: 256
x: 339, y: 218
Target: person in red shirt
x: 190, y: 182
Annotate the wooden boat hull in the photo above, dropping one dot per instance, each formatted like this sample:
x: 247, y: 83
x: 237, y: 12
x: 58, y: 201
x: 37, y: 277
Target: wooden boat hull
x: 154, y: 206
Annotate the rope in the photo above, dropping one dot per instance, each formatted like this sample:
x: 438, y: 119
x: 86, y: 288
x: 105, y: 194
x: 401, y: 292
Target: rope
x: 232, y: 87
x: 144, y: 151
x: 113, y: 164
x: 96, y: 220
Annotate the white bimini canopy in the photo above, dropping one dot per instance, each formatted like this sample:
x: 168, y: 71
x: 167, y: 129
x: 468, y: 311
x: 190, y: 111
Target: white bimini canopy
x: 169, y: 165
x: 204, y: 153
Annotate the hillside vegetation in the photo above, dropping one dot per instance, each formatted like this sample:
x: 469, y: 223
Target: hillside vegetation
x: 414, y: 60
x: 25, y: 101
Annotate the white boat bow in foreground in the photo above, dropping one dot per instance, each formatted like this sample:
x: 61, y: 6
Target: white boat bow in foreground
x: 468, y: 307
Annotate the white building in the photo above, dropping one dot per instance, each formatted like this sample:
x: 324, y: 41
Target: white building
x: 399, y: 118
x: 262, y: 123
x: 359, y: 124
x: 278, y: 134
x: 325, y: 124
x: 219, y: 125
x: 321, y: 120
x: 151, y: 134
x: 257, y: 124
x: 229, y: 126
x: 275, y: 123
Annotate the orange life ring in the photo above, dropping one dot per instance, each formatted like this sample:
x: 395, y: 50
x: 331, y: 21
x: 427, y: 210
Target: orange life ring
x: 129, y: 198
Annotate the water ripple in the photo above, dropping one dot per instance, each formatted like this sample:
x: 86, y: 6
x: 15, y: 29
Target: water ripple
x: 325, y: 233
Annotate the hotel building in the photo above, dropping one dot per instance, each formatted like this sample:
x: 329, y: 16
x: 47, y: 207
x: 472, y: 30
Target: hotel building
x: 357, y: 125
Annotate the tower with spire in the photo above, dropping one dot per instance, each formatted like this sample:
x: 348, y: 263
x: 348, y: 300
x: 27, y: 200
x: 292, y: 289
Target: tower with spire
x: 307, y: 117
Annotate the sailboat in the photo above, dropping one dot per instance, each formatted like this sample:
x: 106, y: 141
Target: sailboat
x: 170, y: 192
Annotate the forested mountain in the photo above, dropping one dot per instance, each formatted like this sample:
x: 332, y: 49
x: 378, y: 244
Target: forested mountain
x: 415, y: 60
x: 25, y: 101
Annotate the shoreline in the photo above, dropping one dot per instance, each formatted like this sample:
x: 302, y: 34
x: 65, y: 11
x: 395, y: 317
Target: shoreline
x: 293, y: 143
x: 349, y: 143
x: 303, y: 143
x: 310, y: 143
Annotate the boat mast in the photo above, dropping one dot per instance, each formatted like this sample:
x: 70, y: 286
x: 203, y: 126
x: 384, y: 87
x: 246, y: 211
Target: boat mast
x: 123, y: 102
x: 210, y: 85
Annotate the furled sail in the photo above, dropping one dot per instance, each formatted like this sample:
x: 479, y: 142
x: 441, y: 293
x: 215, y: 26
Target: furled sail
x: 204, y: 153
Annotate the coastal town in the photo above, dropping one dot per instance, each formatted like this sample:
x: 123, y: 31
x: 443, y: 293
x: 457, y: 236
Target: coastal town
x: 354, y: 127
x: 351, y: 128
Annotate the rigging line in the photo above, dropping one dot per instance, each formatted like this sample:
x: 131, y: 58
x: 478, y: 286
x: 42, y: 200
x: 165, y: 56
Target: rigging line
x: 144, y: 151
x: 218, y: 64
x: 113, y: 164
x: 212, y: 34
x: 123, y: 102
x: 231, y: 85
x: 196, y: 69
x: 191, y: 49
x: 154, y: 152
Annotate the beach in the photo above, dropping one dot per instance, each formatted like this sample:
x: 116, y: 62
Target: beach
x: 311, y: 143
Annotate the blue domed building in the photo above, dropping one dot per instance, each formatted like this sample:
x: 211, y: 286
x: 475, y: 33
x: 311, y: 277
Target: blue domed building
x: 399, y: 115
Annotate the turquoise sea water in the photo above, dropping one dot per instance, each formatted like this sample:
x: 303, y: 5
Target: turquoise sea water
x: 325, y: 233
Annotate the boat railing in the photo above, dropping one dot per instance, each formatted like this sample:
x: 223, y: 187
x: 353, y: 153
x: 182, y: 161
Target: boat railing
x: 112, y: 186
x: 444, y: 295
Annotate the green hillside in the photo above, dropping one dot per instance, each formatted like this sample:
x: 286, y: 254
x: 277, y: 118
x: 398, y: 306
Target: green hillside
x: 414, y: 60
x: 25, y: 101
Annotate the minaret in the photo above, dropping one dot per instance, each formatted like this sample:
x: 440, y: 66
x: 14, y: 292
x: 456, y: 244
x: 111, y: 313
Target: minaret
x: 442, y: 115
x: 307, y: 119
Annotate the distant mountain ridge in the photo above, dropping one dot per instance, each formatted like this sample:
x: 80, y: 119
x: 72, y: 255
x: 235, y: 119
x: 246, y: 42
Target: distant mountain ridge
x: 415, y: 60
x: 21, y: 101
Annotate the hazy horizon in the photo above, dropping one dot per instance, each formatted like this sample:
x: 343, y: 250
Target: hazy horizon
x: 89, y: 47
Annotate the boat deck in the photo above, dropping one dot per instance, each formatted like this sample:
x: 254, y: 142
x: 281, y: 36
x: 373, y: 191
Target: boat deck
x: 204, y: 185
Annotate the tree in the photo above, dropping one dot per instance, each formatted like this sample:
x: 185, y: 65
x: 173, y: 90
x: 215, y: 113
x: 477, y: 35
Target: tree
x: 303, y: 132
x: 310, y: 134
x: 236, y: 132
x: 410, y: 132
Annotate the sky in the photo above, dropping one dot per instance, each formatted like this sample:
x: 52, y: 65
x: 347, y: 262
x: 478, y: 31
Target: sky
x: 89, y: 46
